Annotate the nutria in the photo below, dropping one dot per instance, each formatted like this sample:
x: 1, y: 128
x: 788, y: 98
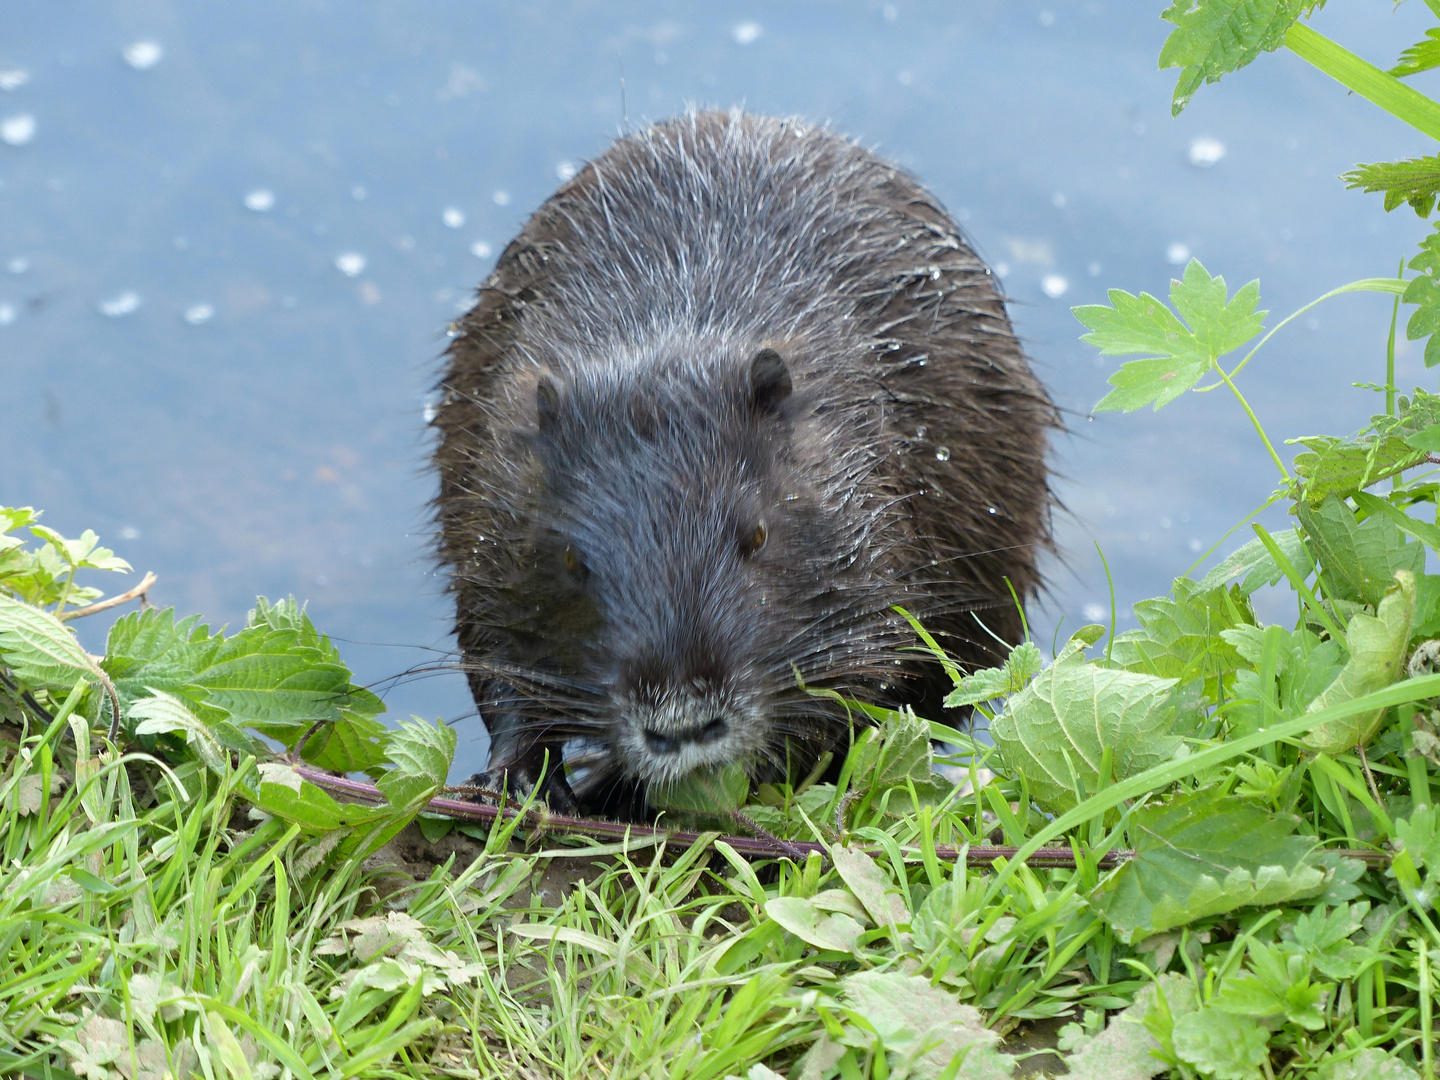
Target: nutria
x: 735, y: 392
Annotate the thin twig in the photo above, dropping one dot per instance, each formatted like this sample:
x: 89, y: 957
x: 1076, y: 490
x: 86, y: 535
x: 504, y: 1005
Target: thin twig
x: 1369, y: 777
x: 138, y: 592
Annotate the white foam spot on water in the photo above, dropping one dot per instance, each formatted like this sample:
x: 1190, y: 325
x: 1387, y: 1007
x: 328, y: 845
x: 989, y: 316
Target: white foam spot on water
x: 1095, y: 612
x: 129, y: 532
x: 8, y: 314
x: 358, y: 193
x: 1205, y: 151
x: 453, y: 217
x: 350, y: 263
x: 480, y: 249
x: 1054, y: 286
x: 1093, y: 269
x: 199, y: 313
x: 747, y: 33
x: 261, y: 200
x: 120, y: 305
x: 13, y: 78
x: 143, y: 55
x: 1047, y: 18
x: 18, y: 265
x: 890, y: 13
x: 1058, y: 200
x: 565, y: 170
x: 501, y: 198
x: 905, y: 78
x: 1177, y: 254
x: 1002, y: 269
x: 17, y: 130
x: 1195, y: 544
x: 429, y: 412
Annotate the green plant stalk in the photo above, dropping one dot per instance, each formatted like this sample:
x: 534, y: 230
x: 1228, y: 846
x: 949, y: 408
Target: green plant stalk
x: 1427, y: 1040
x: 1376, y: 86
x: 1271, y: 501
x: 1390, y: 362
x: 1162, y: 775
x: 1110, y: 641
x: 1307, y: 597
x: 1255, y: 420
x: 1395, y: 286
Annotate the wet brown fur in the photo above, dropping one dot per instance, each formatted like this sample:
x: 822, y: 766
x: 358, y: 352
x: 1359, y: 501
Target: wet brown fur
x: 907, y: 468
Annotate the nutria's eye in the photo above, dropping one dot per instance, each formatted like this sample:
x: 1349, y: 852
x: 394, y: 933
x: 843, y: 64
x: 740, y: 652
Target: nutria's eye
x: 573, y: 563
x: 755, y: 541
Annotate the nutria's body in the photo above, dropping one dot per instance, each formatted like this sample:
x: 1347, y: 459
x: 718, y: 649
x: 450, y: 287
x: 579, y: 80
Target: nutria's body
x: 737, y: 389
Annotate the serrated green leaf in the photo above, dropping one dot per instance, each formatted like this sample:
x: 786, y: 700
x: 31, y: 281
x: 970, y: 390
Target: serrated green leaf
x: 1257, y: 565
x: 283, y: 793
x: 1415, y: 181
x: 1204, y: 854
x: 1358, y: 559
x: 1335, y: 468
x: 897, y: 752
x: 1021, y: 665
x: 1215, y: 37
x: 1422, y: 56
x: 162, y: 713
x: 351, y: 744
x: 40, y: 649
x: 1056, y: 731
x: 924, y: 1026
x: 1142, y: 324
x: 1221, y: 1046
x: 1180, y: 637
x: 422, y: 756
x: 1377, y: 645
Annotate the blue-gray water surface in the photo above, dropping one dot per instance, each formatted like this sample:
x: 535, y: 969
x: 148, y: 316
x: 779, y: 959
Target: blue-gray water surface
x: 232, y: 237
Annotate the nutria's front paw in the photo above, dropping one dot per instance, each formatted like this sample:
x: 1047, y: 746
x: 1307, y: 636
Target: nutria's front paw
x: 518, y: 782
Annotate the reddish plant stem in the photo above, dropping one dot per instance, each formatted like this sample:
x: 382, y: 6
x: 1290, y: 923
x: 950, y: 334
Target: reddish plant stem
x: 753, y: 847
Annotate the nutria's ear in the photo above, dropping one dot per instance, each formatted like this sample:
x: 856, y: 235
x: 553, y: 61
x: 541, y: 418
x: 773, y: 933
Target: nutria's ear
x: 547, y: 403
x: 769, y: 381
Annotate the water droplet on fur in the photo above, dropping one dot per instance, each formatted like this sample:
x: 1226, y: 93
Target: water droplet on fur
x: 942, y: 453
x: 992, y: 510
x: 920, y: 431
x: 934, y: 273
x: 454, y: 330
x: 920, y: 362
x: 792, y: 497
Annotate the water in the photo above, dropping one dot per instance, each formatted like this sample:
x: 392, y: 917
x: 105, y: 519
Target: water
x: 233, y: 237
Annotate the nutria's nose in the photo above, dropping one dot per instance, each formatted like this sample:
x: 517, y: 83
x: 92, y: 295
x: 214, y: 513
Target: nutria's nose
x: 672, y: 742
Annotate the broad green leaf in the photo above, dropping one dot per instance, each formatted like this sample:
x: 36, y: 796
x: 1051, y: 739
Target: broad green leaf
x: 870, y: 885
x: 1180, y: 637
x: 1204, y: 854
x: 283, y: 793
x: 277, y: 676
x: 1023, y: 663
x: 704, y: 791
x: 1368, y: 1064
x: 1358, y: 559
x: 1278, y: 986
x: 1124, y: 1050
x: 353, y: 743
x: 1183, y: 352
x: 163, y: 713
x: 1301, y: 667
x: 1220, y: 1045
x: 1377, y: 645
x: 1424, y: 292
x: 39, y: 649
x: 1323, y: 934
x: 1339, y: 467
x: 898, y: 751
x: 422, y: 757
x: 833, y: 932
x: 1256, y: 567
x: 1055, y: 732
x: 1215, y: 37
x: 925, y: 1025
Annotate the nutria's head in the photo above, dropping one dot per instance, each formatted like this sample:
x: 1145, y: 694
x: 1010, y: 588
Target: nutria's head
x: 688, y: 564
